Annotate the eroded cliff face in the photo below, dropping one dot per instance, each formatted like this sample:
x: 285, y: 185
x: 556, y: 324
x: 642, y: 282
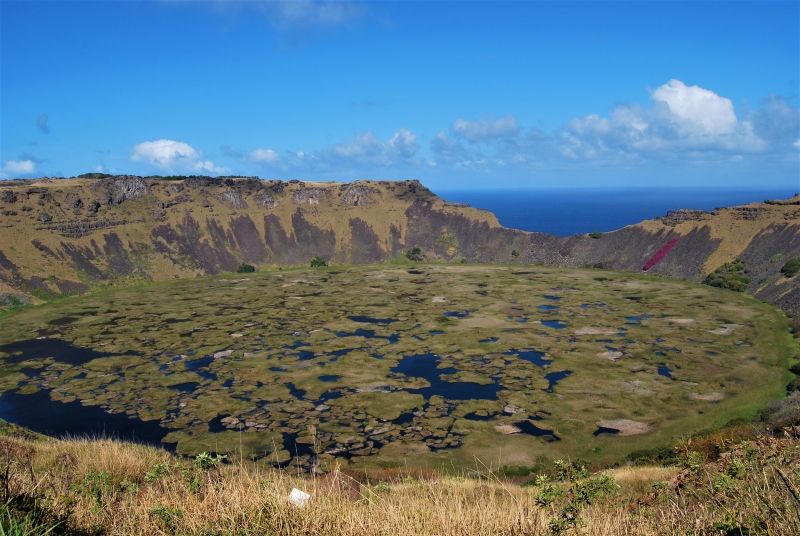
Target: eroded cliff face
x: 64, y: 236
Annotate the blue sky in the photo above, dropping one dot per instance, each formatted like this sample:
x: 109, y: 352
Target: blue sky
x: 459, y: 95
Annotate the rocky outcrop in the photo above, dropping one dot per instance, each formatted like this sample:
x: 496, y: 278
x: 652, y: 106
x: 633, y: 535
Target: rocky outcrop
x: 674, y: 217
x: 310, y: 196
x: 266, y: 200
x: 122, y: 188
x: 81, y: 228
x: 357, y: 195
x: 233, y: 199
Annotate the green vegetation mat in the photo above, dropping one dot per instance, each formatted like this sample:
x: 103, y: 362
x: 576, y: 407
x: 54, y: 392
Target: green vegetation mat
x: 426, y: 365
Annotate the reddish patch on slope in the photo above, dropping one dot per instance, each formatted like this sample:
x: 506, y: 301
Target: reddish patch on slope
x: 660, y: 254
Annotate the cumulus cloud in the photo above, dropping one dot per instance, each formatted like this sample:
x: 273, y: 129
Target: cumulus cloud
x: 41, y: 124
x: 267, y: 156
x: 486, y: 128
x: 445, y: 149
x: 362, y: 153
x: 366, y: 148
x: 681, y: 120
x: 19, y: 167
x: 404, y: 143
x: 171, y: 155
x: 697, y: 110
x: 777, y: 121
x: 207, y: 166
x: 491, y: 142
x: 164, y: 153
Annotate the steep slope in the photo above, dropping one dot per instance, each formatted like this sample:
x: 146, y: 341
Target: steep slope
x: 61, y: 236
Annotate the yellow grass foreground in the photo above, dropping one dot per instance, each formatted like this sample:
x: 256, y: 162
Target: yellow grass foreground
x: 107, y: 487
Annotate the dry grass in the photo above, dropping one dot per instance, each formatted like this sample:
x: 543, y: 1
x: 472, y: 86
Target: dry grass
x: 116, y: 488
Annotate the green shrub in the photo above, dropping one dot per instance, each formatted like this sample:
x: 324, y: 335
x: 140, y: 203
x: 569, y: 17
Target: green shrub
x: 158, y: 471
x: 415, y: 254
x: 730, y: 275
x: 318, y: 262
x: 596, y: 235
x: 382, y: 487
x: 245, y: 268
x: 791, y: 267
x: 206, y: 461
x: 168, y: 517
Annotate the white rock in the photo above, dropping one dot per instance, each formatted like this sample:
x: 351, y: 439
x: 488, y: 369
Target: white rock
x: 298, y: 498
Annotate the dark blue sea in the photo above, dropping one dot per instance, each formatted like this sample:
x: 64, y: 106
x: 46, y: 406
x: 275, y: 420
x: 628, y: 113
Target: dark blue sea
x: 573, y: 211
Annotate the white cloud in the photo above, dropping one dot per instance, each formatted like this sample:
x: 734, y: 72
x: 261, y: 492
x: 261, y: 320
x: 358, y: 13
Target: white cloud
x: 486, y: 128
x: 267, y: 156
x: 777, y: 121
x: 697, y: 110
x: 367, y: 149
x: 207, y: 166
x: 171, y: 155
x: 19, y: 167
x: 165, y: 153
x: 404, y: 143
x: 447, y: 150
x: 363, y: 145
x: 682, y: 121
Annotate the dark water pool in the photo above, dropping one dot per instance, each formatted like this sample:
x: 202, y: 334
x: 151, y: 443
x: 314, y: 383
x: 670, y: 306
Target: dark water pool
x: 554, y: 324
x: 601, y: 430
x: 427, y: 366
x: 295, y: 392
x: 404, y: 418
x: 533, y: 356
x: 475, y: 417
x: 636, y: 320
x: 200, y: 367
x: 554, y: 377
x: 369, y: 334
x: 60, y: 350
x: 41, y: 414
x: 329, y: 378
x: 297, y: 449
x: 371, y: 320
x: 527, y: 427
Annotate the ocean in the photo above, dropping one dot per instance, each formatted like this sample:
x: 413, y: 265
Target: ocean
x: 573, y: 211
